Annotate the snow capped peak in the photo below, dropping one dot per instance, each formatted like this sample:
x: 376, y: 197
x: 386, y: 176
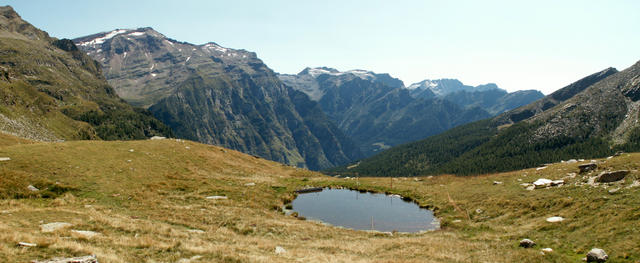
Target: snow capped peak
x: 315, y: 72
x: 102, y: 39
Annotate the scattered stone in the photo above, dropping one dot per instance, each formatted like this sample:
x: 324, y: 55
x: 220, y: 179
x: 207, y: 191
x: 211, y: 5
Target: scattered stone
x: 187, y: 147
x: 587, y: 167
x: 496, y: 182
x: 250, y: 184
x: 519, y: 180
x: 555, y: 219
x: 580, y: 160
x: 85, y: 259
x: 2, y: 159
x: 86, y: 233
x: 217, y: 197
x: 131, y: 150
x: 618, y: 153
x: 608, y: 177
x: 25, y: 244
x: 531, y: 187
x: 280, y: 250
x: 32, y: 188
x: 189, y: 260
x: 597, y: 255
x: 614, y: 190
x: 456, y: 221
x: 128, y: 161
x: 572, y: 161
x: 547, y: 250
x: 527, y: 243
x: 196, y: 231
x: 51, y: 227
x: 479, y: 211
x: 541, y: 168
x: 157, y: 138
x: 557, y: 182
x: 542, y: 183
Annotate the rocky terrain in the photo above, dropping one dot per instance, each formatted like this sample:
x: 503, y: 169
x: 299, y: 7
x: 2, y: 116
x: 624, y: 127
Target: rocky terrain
x: 51, y: 91
x: 220, y: 96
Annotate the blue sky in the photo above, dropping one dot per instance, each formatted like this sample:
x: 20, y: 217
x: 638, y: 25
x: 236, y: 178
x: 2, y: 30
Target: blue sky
x: 541, y: 45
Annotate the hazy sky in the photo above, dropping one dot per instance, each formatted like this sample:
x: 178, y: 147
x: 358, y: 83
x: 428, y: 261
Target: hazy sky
x: 542, y: 45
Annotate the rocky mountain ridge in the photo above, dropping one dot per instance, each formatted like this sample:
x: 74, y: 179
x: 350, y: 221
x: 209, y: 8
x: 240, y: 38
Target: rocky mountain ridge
x: 219, y: 96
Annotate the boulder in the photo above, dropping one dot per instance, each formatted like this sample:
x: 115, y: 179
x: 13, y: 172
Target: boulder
x: 280, y: 250
x: 50, y: 227
x: 85, y: 259
x: 542, y: 183
x: 587, y: 167
x: 26, y: 244
x: 608, y: 177
x: 527, y: 243
x: 158, y: 138
x: 597, y: 255
x: 555, y: 219
x: 86, y: 233
x: 217, y: 197
x: 572, y: 161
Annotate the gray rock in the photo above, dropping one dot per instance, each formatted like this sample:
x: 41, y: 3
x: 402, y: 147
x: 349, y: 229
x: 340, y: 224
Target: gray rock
x: 597, y: 255
x: 280, y: 250
x: 53, y: 226
x: 157, y: 138
x: 32, y: 188
x: 527, y: 243
x: 86, y: 233
x: 608, y: 177
x: 587, y: 167
x: 85, y: 259
x: 25, y: 244
x: 496, y: 182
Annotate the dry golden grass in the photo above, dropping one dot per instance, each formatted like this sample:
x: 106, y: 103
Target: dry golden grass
x: 149, y: 205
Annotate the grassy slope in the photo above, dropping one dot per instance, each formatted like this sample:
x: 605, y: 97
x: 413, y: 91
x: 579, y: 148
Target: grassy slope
x: 145, y: 206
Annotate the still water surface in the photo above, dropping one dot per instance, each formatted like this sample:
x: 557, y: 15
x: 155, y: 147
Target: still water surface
x: 364, y: 211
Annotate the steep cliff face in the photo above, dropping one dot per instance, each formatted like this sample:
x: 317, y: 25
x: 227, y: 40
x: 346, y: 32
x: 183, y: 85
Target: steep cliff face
x: 376, y: 110
x: 219, y: 96
x: 49, y: 90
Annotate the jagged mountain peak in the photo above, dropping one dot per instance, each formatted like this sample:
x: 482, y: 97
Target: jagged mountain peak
x: 442, y: 87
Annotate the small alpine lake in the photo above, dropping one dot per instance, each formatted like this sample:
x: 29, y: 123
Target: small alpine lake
x: 364, y: 211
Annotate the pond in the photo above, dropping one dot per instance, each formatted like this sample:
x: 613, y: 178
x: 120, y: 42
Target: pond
x: 364, y: 211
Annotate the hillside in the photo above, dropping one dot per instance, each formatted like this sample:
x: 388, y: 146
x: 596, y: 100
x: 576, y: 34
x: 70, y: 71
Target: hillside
x: 147, y: 202
x: 220, y: 96
x: 593, y: 117
x: 50, y: 91
x: 376, y: 110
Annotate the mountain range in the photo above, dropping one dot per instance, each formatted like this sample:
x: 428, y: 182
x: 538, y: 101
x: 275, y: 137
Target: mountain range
x: 379, y: 112
x: 594, y: 117
x: 220, y: 96
x: 50, y: 91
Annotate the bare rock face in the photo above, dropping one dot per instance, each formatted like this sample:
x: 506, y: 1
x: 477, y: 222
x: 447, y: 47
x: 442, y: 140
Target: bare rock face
x: 85, y: 259
x: 597, y: 255
x: 608, y: 177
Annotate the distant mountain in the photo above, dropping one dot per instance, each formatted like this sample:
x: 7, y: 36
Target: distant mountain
x: 593, y: 117
x: 375, y: 109
x: 488, y: 97
x: 49, y: 90
x: 220, y: 96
